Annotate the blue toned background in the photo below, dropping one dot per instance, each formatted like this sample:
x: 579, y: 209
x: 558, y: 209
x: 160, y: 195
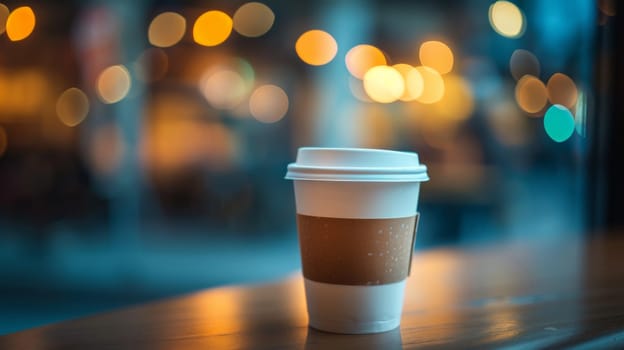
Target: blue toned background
x: 143, y: 149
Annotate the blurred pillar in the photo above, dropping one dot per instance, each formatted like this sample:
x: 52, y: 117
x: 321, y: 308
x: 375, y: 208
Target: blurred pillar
x: 127, y: 182
x: 351, y: 23
x: 107, y: 34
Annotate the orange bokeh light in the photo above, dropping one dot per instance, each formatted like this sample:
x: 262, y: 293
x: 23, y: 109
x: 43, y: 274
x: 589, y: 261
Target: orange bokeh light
x: 20, y: 23
x: 361, y: 58
x: 561, y: 90
x: 531, y: 94
x: 212, y: 28
x: 316, y: 47
x: 437, y: 55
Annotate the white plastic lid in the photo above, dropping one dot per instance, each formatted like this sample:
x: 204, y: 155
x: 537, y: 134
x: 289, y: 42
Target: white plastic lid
x: 356, y: 164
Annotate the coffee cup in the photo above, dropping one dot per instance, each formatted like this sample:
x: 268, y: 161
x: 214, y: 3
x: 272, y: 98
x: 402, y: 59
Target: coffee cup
x: 356, y: 220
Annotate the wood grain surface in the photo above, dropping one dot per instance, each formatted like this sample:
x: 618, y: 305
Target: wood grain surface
x: 517, y: 295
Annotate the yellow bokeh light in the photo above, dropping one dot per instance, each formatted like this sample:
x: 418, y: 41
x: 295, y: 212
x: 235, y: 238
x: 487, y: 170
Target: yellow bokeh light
x: 458, y: 100
x: 506, y: 19
x: 437, y: 55
x: 561, y: 90
x: 20, y: 23
x: 253, y: 19
x: 4, y: 141
x: 316, y: 47
x: 361, y: 58
x: 223, y: 89
x: 166, y: 29
x: 4, y: 14
x: 212, y: 28
x: 113, y: 84
x: 384, y: 84
x: 268, y: 103
x: 531, y: 94
x: 523, y: 62
x: 433, y: 90
x: 414, y: 83
x: 72, y: 107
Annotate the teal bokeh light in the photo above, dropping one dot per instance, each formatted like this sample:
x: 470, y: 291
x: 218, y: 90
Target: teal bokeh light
x: 559, y: 123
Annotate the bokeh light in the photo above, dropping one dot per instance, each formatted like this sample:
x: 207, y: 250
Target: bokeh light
x: 72, y: 106
x: 212, y: 28
x: 559, y: 123
x: 113, y: 84
x: 457, y: 103
x: 361, y: 58
x: 561, y: 90
x: 253, y: 19
x: 227, y: 83
x: 414, y: 83
x: 523, y: 62
x: 268, y: 103
x: 384, y: 84
x: 20, y: 23
x: 4, y: 14
x: 433, y: 83
x: 166, y: 29
x: 223, y: 89
x: 506, y: 19
x: 531, y: 94
x: 437, y: 55
x: 152, y: 65
x: 316, y: 47
x: 4, y: 141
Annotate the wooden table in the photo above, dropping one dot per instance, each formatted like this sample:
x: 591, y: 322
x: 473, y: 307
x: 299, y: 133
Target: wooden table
x: 556, y: 293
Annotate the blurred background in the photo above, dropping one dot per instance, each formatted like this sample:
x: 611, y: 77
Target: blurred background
x: 143, y: 144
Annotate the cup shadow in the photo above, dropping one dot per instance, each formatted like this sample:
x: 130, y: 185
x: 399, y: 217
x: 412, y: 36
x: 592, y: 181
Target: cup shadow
x: 390, y: 340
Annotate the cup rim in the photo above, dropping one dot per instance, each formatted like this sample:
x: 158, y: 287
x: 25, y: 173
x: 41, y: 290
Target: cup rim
x: 356, y: 164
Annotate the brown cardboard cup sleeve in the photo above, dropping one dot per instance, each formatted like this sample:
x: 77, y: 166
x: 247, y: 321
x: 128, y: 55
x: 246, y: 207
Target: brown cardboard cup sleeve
x: 356, y: 251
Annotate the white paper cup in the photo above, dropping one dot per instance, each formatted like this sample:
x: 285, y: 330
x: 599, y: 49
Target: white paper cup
x: 351, y: 183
